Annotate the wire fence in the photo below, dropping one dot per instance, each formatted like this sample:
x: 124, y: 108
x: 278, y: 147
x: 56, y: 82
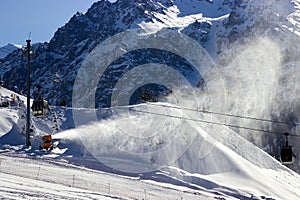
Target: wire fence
x: 111, y: 185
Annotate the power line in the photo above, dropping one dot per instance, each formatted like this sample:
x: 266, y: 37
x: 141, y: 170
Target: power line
x: 224, y: 114
x: 208, y: 122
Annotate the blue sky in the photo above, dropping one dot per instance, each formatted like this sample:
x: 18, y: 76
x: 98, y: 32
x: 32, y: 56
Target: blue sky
x: 40, y: 17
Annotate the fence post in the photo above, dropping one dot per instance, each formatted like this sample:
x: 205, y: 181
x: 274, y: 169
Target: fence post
x: 73, y: 180
x: 145, y: 194
x: 38, y: 173
x: 109, y: 188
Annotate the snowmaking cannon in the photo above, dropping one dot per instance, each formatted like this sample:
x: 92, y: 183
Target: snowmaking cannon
x: 47, y: 143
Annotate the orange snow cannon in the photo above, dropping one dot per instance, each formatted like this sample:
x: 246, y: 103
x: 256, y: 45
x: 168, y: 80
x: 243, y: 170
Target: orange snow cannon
x: 47, y: 142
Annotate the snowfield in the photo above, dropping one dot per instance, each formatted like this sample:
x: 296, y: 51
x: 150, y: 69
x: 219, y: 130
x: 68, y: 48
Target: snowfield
x: 100, y: 161
x: 24, y: 178
x: 16, y: 187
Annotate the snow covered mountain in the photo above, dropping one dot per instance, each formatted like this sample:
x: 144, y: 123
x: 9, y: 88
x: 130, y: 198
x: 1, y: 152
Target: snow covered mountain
x: 5, y: 50
x: 254, y: 45
x: 89, y: 165
x: 71, y: 43
x: 217, y: 25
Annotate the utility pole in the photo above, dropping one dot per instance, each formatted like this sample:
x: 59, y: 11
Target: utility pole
x: 28, y: 143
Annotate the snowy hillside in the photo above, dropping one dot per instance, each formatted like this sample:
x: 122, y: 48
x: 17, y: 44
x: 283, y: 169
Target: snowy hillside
x: 5, y: 50
x: 107, y: 159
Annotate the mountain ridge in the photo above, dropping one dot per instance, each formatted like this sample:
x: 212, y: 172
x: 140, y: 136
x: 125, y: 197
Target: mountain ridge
x: 7, y: 49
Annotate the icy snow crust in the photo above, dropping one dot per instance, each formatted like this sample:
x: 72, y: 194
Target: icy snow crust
x: 232, y: 169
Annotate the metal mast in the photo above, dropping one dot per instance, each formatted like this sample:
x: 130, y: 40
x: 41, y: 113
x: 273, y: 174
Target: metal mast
x: 28, y: 143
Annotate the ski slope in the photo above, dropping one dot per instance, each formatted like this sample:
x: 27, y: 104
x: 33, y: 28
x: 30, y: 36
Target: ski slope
x: 111, y: 159
x: 17, y: 187
x: 25, y: 178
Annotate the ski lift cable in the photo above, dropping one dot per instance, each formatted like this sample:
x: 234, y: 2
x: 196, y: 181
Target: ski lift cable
x: 224, y: 114
x: 208, y: 122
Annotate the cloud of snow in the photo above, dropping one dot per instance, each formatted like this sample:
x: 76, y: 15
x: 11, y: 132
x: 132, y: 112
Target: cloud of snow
x: 155, y: 135
x: 251, y: 79
x: 258, y: 85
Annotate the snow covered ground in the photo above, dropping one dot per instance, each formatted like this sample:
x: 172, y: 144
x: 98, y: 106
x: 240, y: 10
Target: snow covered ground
x: 101, y: 160
x: 27, y: 178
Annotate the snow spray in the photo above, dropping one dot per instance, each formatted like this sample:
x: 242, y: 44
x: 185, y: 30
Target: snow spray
x: 150, y: 136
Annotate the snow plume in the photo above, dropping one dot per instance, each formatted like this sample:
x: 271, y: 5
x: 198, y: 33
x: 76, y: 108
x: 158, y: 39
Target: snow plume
x: 153, y: 136
x: 251, y: 82
x: 286, y: 105
x: 138, y: 134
